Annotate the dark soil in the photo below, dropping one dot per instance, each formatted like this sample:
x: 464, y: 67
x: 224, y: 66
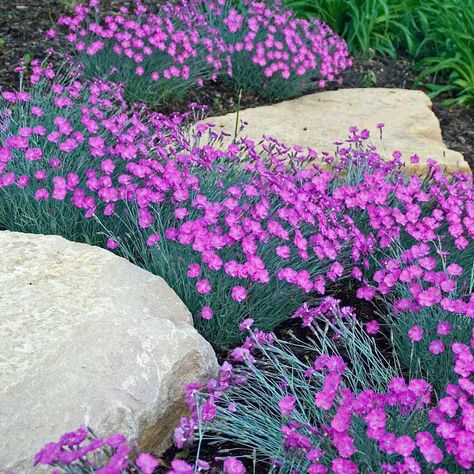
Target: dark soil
x: 22, y: 27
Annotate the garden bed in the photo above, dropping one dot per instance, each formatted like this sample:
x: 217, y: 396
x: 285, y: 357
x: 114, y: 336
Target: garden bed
x: 348, y: 287
x: 23, y: 36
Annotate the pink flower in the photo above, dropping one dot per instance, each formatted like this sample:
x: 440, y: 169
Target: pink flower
x: 48, y: 454
x: 344, y: 466
x: 436, y: 347
x: 239, y: 293
x: 23, y: 181
x: 147, y: 463
x: 246, y: 324
x: 429, y: 297
x: 206, y: 313
x: 107, y: 166
x: 366, y: 293
x: 55, y: 163
x: 283, y: 251
x: 287, y: 405
x: 152, y: 239
x: 415, y: 334
x: 454, y: 269
x: 444, y: 328
x: 180, y: 467
x: 203, y: 286
x: 404, y: 446
x: 116, y: 440
x: 41, y: 193
x: 194, y: 270
x: 112, y: 244
x: 372, y: 327
x: 33, y: 154
x: 40, y: 175
x: 233, y: 466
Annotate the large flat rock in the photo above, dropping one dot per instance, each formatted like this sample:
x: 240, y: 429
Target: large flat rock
x: 317, y: 120
x: 87, y: 337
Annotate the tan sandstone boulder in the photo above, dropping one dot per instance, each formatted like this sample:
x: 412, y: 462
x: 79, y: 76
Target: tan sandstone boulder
x: 317, y: 120
x: 87, y: 337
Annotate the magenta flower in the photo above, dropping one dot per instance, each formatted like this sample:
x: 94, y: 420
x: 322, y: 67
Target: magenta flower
x: 112, y: 244
x: 436, y: 347
x: 444, y: 328
x: 415, y: 334
x: 153, y: 239
x: 454, y: 269
x: 147, y: 463
x: 194, y: 270
x: 246, y: 324
x: 283, y: 251
x: 344, y: 466
x: 287, y: 404
x: 207, y: 313
x: 239, y: 293
x: 233, y: 466
x: 33, y: 154
x: 366, y: 293
x: 48, y: 454
x: 180, y: 467
x: 404, y: 446
x: 203, y: 286
x: 41, y: 193
x: 372, y: 327
x: 116, y: 440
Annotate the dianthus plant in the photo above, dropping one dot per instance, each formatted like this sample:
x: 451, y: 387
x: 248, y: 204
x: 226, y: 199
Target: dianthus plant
x: 272, y: 52
x: 334, y: 404
x: 158, y: 55
x: 229, y: 229
x: 246, y: 229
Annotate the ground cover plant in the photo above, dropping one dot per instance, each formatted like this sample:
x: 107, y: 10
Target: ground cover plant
x: 440, y: 46
x: 237, y: 219
x: 161, y: 53
x: 252, y: 236
x: 263, y: 231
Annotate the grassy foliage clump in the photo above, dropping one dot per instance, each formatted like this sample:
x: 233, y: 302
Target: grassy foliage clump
x: 437, y: 35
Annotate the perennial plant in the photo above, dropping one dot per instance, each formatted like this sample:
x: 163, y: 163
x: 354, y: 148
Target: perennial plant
x: 160, y: 54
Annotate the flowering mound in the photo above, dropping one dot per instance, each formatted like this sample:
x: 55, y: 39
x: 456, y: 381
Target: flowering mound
x: 246, y: 231
x: 160, y: 55
x: 349, y: 411
x: 272, y: 52
x: 260, y: 231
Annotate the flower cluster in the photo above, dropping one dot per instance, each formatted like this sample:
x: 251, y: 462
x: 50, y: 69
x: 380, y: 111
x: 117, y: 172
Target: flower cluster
x: 274, y: 53
x: 159, y: 54
x: 259, y: 223
x: 259, y: 232
x: 81, y: 450
x: 321, y: 420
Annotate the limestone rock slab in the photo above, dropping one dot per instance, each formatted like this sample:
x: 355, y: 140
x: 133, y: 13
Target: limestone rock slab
x: 317, y: 120
x: 87, y: 337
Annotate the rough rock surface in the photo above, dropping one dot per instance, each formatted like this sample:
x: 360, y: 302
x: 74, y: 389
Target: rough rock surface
x: 87, y: 337
x: 317, y: 120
